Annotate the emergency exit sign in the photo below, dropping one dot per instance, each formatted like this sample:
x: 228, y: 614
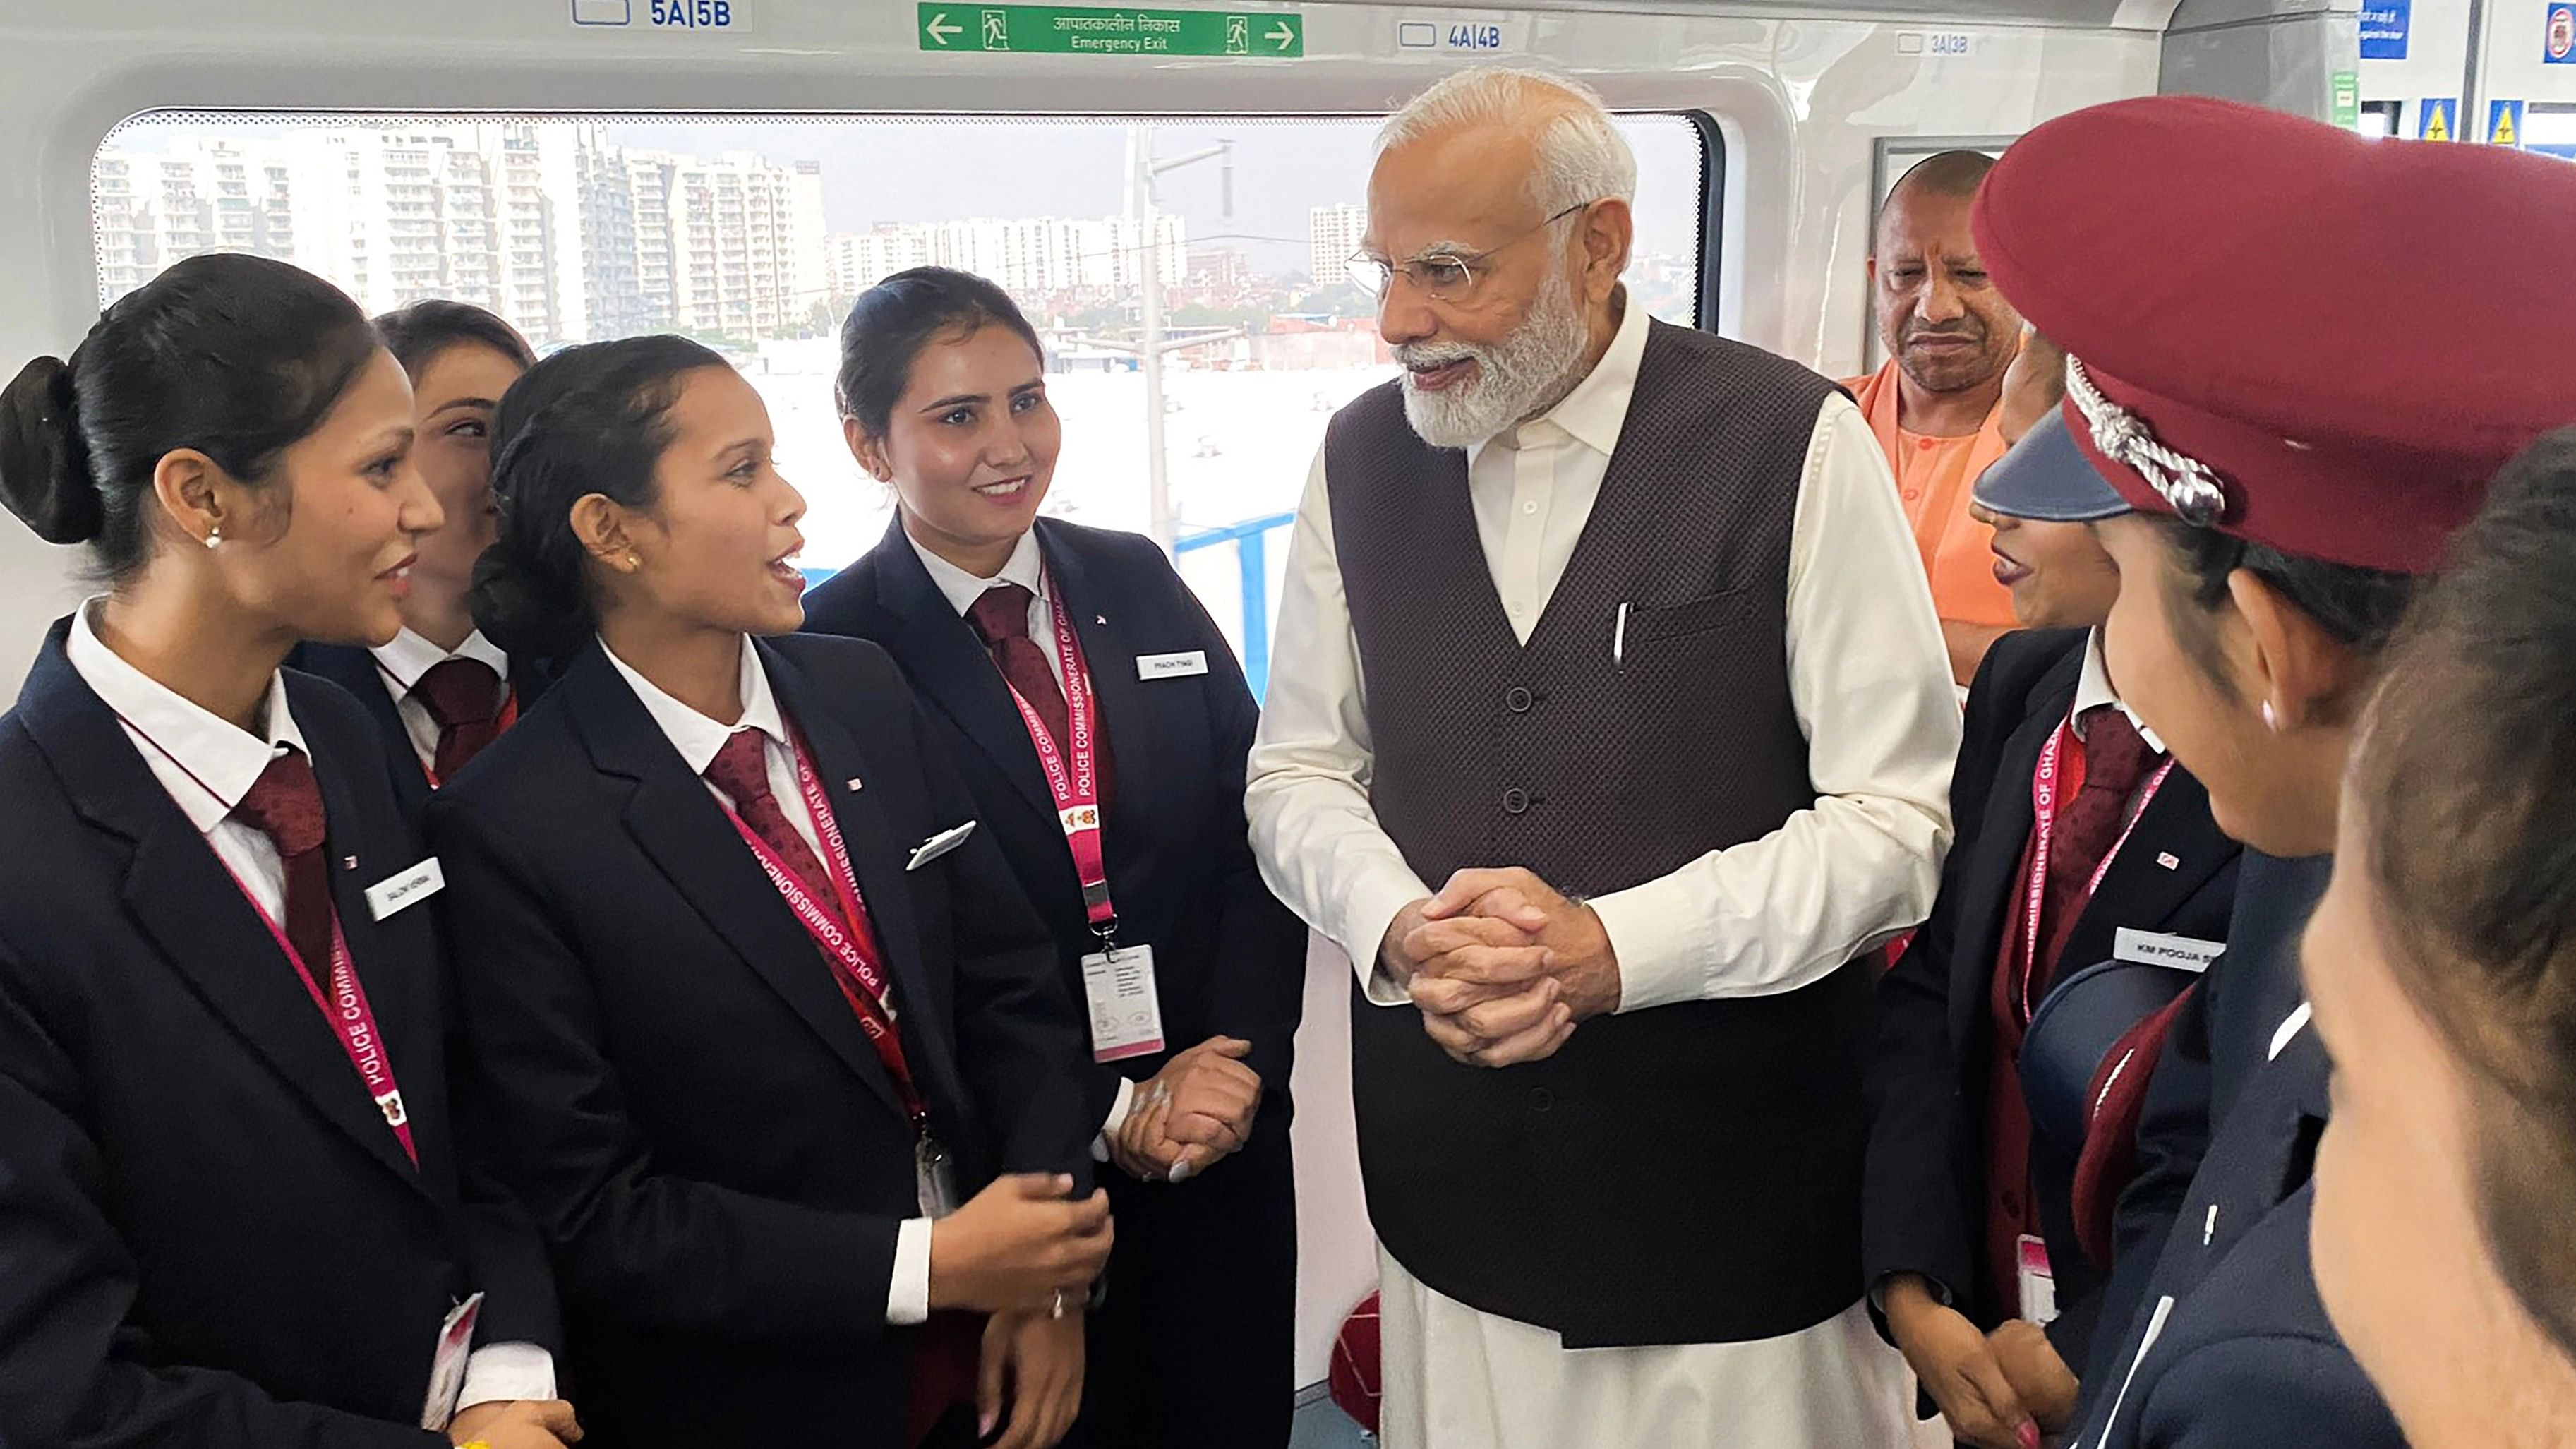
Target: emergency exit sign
x: 1090, y: 30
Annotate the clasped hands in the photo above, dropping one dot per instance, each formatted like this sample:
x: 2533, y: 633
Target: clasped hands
x: 515, y: 1424
x: 1195, y: 1111
x: 2002, y: 1390
x: 1502, y: 966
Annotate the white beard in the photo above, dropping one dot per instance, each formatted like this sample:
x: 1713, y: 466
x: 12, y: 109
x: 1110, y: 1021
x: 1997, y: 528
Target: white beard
x: 1516, y: 379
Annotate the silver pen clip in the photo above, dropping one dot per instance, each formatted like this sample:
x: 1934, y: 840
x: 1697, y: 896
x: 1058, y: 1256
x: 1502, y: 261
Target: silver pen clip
x: 1619, y: 640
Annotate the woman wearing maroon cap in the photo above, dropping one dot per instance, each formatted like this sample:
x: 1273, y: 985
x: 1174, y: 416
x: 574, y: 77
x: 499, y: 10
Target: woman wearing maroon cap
x: 2443, y: 969
x: 2291, y: 492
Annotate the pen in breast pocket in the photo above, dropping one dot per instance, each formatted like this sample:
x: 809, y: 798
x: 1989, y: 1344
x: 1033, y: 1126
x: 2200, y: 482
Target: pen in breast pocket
x: 1619, y: 639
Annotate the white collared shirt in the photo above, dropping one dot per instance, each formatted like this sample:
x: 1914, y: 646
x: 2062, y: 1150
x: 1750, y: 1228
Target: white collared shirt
x: 1868, y: 678
x: 207, y: 764
x: 401, y: 662
x: 1026, y: 567
x: 2093, y: 690
x: 699, y: 739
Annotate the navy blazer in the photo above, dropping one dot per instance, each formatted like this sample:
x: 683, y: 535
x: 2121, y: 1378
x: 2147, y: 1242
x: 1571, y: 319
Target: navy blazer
x: 1924, y: 1208
x: 209, y: 1238
x: 1228, y: 957
x: 2247, y: 1358
x: 353, y: 668
x: 2217, y: 1041
x: 2227, y: 1268
x: 686, y: 1102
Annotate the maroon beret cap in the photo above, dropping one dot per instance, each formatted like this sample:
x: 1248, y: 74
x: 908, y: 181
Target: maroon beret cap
x: 2316, y: 341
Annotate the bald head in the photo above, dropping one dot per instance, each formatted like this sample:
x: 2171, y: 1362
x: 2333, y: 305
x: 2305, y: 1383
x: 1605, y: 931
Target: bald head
x: 1948, y: 329
x: 1955, y: 174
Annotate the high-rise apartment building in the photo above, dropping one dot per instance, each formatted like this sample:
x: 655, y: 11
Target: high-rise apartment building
x: 151, y: 210
x: 1332, y: 237
x: 1030, y: 256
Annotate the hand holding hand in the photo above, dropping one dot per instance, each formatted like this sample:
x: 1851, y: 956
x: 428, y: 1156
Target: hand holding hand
x: 516, y: 1424
x: 2047, y: 1387
x: 1019, y: 1244
x: 1957, y: 1367
x: 1199, y: 1108
x: 1031, y: 1378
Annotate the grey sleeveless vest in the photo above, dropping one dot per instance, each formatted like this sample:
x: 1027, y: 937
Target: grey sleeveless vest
x: 1690, y: 1173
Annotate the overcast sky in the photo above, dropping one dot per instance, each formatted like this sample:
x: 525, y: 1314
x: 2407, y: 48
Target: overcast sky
x: 878, y: 171
x: 928, y: 171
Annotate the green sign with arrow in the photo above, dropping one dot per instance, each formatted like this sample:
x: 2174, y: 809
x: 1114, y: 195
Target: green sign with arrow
x: 1091, y: 30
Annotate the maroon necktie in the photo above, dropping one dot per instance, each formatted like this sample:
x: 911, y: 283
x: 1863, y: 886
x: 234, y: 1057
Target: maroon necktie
x: 741, y: 771
x: 285, y: 804
x: 1001, y: 616
x: 464, y: 696
x: 945, y: 1357
x: 2117, y: 760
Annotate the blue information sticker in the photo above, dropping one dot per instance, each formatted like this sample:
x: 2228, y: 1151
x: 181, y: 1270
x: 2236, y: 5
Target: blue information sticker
x: 2384, y: 24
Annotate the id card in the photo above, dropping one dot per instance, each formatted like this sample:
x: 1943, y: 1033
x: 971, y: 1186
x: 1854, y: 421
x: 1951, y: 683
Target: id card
x: 447, y: 1366
x: 934, y: 1178
x: 1126, y: 1011
x: 2038, y: 1284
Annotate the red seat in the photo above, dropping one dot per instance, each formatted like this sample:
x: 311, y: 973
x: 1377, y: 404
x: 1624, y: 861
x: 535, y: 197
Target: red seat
x: 1354, y: 1379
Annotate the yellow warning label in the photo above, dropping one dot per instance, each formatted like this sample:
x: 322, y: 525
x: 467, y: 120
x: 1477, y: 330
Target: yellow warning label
x: 2503, y: 129
x: 2437, y: 126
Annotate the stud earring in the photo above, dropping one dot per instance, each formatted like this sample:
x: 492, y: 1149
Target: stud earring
x: 633, y: 563
x: 2271, y: 721
x: 215, y: 536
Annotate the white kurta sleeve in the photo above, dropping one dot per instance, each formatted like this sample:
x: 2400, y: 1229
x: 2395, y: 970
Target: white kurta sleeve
x: 1870, y: 682
x: 1307, y: 794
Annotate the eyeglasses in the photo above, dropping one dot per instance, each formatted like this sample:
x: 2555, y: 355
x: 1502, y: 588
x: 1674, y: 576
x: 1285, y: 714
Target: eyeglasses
x: 1443, y: 276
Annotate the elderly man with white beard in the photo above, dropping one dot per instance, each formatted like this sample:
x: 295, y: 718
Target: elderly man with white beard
x: 1615, y: 632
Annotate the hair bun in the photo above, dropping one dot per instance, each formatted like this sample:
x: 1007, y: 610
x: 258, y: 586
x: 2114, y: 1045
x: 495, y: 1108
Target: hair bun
x: 516, y: 605
x: 44, y: 465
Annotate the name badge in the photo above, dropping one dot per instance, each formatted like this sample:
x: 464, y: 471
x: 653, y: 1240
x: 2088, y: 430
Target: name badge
x: 447, y: 1364
x: 2038, y: 1284
x: 939, y: 845
x: 405, y: 888
x: 1171, y: 666
x: 2150, y: 948
x: 1126, y: 1010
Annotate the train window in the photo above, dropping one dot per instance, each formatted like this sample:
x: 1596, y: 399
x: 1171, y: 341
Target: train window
x: 753, y: 233
x: 2379, y: 119
x: 2549, y: 127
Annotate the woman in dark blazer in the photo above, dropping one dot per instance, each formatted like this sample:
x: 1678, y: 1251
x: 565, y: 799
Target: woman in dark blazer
x: 756, y: 1001
x: 439, y: 690
x: 231, y: 1207
x: 1072, y: 671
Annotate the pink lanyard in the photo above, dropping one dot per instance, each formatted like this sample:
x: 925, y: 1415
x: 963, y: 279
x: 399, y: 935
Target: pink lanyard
x: 351, y: 1019
x: 2044, y: 799
x: 851, y: 950
x: 1074, y: 782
